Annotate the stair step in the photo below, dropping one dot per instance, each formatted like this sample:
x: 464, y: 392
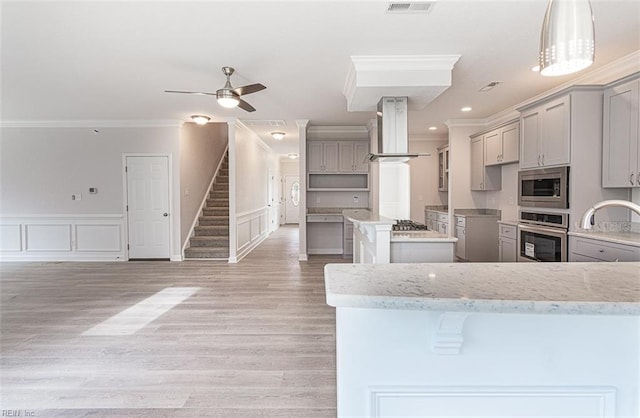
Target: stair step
x: 220, y: 188
x: 219, y: 211
x: 203, y: 252
x: 213, y: 220
x: 218, y: 202
x: 211, y: 230
x: 216, y: 194
x: 221, y: 241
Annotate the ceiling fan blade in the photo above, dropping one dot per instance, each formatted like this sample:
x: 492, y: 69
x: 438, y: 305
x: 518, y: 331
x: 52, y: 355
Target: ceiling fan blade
x: 251, y: 88
x: 201, y: 93
x: 246, y: 106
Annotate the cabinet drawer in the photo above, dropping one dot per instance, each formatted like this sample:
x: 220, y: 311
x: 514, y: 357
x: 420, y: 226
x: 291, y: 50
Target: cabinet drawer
x: 509, y: 231
x: 324, y: 218
x: 605, y: 251
x: 461, y: 221
x: 431, y: 215
x: 443, y: 217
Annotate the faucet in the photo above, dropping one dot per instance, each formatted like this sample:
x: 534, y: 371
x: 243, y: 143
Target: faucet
x: 585, y: 223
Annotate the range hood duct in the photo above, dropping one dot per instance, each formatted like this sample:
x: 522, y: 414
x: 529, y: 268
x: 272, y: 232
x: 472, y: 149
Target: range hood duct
x: 393, y: 134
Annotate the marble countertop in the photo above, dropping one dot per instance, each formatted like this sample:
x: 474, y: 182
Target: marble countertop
x: 326, y: 211
x: 627, y: 238
x: 366, y: 216
x: 437, y: 208
x: 476, y: 212
x: 420, y: 236
x: 508, y: 222
x: 528, y: 288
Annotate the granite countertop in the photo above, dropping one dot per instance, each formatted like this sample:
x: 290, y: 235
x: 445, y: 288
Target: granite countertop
x: 618, y: 237
x: 476, y: 212
x: 326, y: 211
x: 508, y: 222
x: 437, y: 208
x: 366, y: 216
x: 420, y: 236
x: 529, y: 288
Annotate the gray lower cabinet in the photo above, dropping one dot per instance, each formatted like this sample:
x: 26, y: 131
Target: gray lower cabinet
x: 324, y: 234
x: 477, y: 238
x: 507, y: 243
x: 588, y: 249
x: 347, y: 247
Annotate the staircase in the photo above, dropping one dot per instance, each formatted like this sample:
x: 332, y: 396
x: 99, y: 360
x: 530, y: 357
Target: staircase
x: 211, y: 236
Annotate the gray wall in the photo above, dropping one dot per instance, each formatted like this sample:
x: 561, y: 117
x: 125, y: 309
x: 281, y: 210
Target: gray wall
x: 201, y: 148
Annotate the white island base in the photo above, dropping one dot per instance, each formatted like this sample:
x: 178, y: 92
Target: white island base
x: 401, y: 352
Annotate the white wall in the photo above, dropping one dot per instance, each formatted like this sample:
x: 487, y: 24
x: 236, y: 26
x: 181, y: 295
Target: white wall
x: 424, y: 176
x: 253, y: 160
x: 41, y: 167
x: 460, y: 194
x: 201, y: 149
x: 506, y: 199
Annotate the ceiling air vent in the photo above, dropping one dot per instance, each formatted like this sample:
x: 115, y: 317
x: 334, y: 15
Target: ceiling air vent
x: 410, y: 7
x: 263, y: 122
x: 489, y: 86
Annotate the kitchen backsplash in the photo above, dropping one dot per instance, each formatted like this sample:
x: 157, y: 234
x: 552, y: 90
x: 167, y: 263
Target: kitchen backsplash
x: 612, y: 227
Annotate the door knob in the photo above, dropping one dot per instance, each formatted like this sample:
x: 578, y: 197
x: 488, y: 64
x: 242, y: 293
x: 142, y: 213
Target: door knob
x: 165, y: 214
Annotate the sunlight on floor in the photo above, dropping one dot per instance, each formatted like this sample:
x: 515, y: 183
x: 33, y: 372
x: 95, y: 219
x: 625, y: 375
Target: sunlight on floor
x: 142, y: 313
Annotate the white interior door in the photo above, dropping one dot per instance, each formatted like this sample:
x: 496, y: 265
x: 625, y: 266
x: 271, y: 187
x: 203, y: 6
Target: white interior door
x: 292, y: 199
x: 271, y: 201
x: 148, y: 207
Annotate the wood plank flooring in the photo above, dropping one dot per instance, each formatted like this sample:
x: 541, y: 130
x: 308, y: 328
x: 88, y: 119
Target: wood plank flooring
x: 256, y: 340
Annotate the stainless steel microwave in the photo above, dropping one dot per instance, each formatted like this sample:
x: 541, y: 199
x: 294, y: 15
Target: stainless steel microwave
x: 544, y: 188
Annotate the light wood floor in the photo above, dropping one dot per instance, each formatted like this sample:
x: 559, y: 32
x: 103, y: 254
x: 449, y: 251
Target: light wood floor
x: 257, y: 339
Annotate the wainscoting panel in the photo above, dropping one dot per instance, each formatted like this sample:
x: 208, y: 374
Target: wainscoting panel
x: 252, y: 229
x: 534, y: 401
x: 11, y: 237
x: 48, y: 237
x: 62, y: 238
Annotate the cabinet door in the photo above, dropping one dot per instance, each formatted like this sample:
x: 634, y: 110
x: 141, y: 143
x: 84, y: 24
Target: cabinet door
x: 477, y: 164
x: 492, y: 148
x: 330, y: 156
x: 620, y: 139
x: 315, y: 154
x: 510, y: 138
x: 556, y: 136
x: 507, y: 251
x: 360, y: 152
x: 461, y: 245
x: 530, y: 124
x: 346, y: 157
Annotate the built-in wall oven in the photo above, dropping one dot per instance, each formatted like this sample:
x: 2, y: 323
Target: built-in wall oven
x: 544, y: 188
x: 542, y: 236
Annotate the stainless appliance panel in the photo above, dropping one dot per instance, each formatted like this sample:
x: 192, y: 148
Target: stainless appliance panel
x: 539, y: 243
x: 544, y: 188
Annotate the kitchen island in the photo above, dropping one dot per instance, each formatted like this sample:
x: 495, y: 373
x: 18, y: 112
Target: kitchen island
x: 375, y: 242
x: 465, y: 339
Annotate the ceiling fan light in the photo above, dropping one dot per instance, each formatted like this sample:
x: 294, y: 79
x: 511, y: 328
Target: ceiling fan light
x: 278, y: 135
x: 567, y: 40
x: 200, y: 119
x: 228, y: 102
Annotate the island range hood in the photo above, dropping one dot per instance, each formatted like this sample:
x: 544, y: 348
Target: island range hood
x: 393, y: 134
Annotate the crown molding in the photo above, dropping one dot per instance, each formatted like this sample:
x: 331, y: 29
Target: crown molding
x: 428, y: 138
x: 255, y: 137
x: 158, y: 123
x: 338, y: 132
x: 451, y: 123
x: 302, y: 123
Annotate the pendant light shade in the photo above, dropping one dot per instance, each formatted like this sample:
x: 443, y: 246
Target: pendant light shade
x: 567, y: 41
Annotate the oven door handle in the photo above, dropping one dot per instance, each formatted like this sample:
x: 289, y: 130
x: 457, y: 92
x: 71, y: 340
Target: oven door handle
x: 557, y: 232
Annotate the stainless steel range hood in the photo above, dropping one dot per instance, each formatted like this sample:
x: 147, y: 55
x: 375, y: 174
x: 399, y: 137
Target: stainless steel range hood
x: 393, y: 134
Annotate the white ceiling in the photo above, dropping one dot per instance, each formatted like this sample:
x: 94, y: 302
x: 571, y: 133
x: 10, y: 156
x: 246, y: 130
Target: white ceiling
x: 112, y: 60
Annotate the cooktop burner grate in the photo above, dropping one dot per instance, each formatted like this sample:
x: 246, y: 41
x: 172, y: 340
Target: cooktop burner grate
x: 408, y: 225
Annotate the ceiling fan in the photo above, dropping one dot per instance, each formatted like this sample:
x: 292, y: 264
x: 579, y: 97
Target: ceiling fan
x: 228, y: 96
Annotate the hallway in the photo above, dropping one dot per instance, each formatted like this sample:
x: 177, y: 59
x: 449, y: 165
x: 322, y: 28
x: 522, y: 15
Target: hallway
x: 255, y: 339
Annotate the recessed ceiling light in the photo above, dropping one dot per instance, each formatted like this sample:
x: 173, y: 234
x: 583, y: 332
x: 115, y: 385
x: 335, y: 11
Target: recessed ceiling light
x: 200, y: 119
x: 535, y: 69
x: 293, y: 156
x: 432, y: 128
x: 466, y: 109
x: 278, y: 135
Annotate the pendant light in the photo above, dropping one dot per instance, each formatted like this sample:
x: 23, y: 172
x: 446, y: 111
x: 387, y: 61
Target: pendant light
x: 567, y: 41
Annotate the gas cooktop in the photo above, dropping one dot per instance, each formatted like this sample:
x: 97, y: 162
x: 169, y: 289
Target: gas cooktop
x: 408, y: 225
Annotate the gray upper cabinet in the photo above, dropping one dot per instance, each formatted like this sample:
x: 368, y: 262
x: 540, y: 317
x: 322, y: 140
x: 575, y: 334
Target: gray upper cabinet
x: 620, y: 139
x: 322, y: 157
x: 501, y: 146
x: 546, y: 134
x: 483, y: 178
x: 352, y: 156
